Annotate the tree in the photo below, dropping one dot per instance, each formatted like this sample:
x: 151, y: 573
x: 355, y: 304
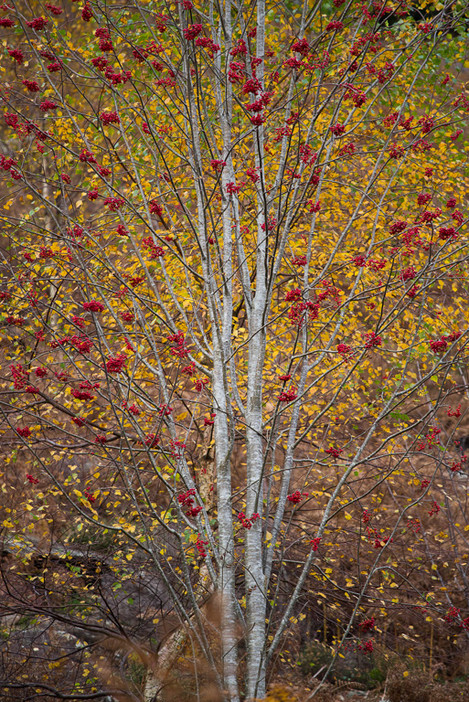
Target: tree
x: 234, y: 304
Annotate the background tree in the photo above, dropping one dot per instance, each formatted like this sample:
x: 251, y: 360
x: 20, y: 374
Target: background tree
x: 234, y: 281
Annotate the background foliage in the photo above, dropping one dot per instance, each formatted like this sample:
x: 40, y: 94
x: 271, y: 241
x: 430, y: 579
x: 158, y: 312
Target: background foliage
x: 234, y: 322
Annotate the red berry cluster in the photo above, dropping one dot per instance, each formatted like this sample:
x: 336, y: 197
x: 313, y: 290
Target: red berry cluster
x: 344, y: 350
x: 25, y: 432
x: 109, y: 118
x: 180, y: 350
x: 247, y: 522
x: 288, y: 395
x: 334, y: 452
x: 315, y: 543
x: 297, y: 496
x: 93, y: 306
x: 151, y: 440
x: 89, y: 496
x: 186, y: 500
x: 116, y: 364
x: 20, y: 376
x: 367, y: 624
x: 366, y: 647
x: 155, y: 251
x: 164, y: 410
x: 429, y: 440
x: 372, y: 340
x: 192, y: 31
x: 452, y: 614
x: 208, y: 422
x: 440, y: 345
x: 200, y: 383
x: 200, y: 546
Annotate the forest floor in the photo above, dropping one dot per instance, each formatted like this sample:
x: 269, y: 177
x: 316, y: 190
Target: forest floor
x: 412, y: 692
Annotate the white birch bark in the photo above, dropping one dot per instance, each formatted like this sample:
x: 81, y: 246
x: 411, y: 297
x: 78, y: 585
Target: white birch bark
x: 254, y: 575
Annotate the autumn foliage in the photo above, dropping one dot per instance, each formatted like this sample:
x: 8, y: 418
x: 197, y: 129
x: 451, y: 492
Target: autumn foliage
x: 233, y: 305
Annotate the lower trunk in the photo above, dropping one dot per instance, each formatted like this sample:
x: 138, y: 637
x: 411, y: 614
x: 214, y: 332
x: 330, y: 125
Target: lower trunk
x: 256, y: 611
x: 226, y: 579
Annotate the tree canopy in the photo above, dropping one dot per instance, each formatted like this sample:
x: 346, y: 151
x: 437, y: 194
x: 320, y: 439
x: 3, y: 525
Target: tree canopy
x: 234, y: 325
